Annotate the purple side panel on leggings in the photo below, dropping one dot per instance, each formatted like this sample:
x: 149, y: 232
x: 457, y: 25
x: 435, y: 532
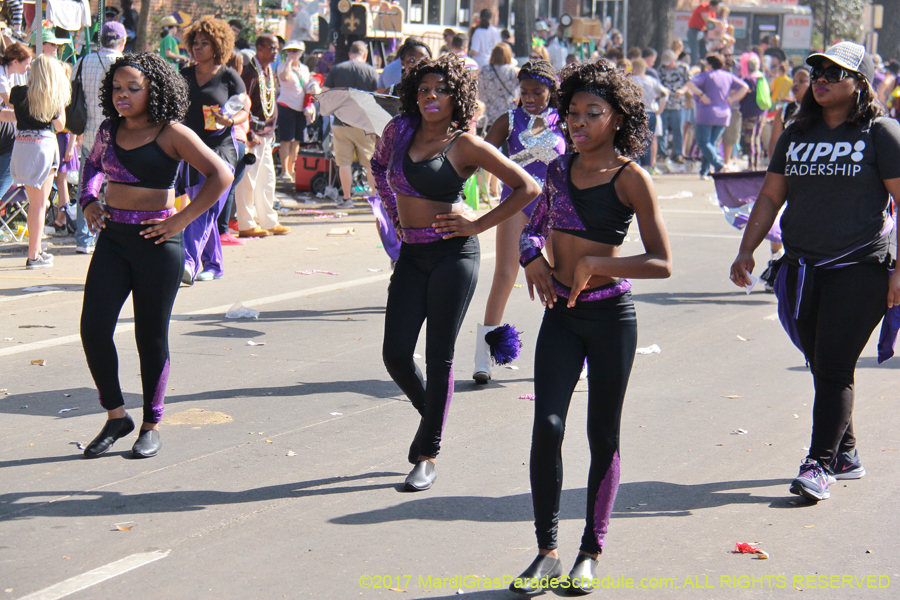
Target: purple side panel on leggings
x: 606, y: 496
x: 159, y: 394
x: 449, y: 396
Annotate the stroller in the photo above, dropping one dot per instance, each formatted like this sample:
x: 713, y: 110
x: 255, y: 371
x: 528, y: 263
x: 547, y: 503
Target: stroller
x: 316, y: 171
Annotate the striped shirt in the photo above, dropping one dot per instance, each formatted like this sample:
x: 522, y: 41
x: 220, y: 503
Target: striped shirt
x: 94, y: 70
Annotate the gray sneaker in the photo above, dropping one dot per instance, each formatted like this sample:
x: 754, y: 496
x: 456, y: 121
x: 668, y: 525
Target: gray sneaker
x: 39, y: 263
x: 847, y: 465
x: 348, y: 203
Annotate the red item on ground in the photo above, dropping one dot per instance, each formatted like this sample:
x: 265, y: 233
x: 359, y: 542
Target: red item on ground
x: 744, y: 548
x: 311, y: 171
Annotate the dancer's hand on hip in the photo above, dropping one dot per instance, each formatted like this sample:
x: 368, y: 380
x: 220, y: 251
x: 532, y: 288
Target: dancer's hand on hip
x: 163, y: 228
x: 457, y: 225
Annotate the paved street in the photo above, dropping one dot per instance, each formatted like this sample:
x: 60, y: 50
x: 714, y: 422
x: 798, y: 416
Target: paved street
x: 282, y: 464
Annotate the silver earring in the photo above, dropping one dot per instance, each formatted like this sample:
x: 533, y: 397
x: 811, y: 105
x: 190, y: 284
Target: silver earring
x: 617, y: 128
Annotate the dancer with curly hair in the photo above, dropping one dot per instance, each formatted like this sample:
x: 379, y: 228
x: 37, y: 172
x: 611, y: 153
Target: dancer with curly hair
x: 210, y: 86
x: 534, y: 137
x: 590, y: 198
x: 140, y: 249
x: 420, y: 168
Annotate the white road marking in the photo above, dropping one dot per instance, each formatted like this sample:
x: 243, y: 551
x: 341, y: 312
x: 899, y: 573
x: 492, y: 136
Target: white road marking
x: 8, y: 298
x: 707, y: 235
x: 126, y: 327
x: 99, y: 575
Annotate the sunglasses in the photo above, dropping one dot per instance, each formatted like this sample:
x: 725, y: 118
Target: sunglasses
x: 831, y: 74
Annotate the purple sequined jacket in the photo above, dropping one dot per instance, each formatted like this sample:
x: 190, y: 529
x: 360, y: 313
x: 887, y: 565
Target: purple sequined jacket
x: 101, y: 164
x: 387, y: 163
x: 554, y: 210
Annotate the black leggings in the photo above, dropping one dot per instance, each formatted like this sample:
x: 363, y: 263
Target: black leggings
x: 846, y: 306
x: 605, y: 332
x: 433, y: 281
x: 125, y: 263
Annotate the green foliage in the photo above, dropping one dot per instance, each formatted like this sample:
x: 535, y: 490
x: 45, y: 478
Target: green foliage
x: 844, y: 20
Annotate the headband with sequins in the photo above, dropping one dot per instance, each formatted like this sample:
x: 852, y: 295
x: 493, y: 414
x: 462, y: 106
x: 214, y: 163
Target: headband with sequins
x: 602, y: 92
x: 546, y: 81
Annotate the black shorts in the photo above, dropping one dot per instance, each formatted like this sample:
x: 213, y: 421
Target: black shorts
x: 291, y: 124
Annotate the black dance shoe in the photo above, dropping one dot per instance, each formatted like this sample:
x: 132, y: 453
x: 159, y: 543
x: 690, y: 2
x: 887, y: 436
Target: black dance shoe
x: 147, y: 444
x: 421, y: 477
x: 581, y: 577
x: 414, y: 449
x: 540, y: 575
x: 112, y: 430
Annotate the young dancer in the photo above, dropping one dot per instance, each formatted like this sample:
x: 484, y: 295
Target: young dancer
x: 589, y: 200
x: 39, y: 108
x: 832, y: 285
x: 140, y: 249
x: 534, y: 139
x: 420, y: 168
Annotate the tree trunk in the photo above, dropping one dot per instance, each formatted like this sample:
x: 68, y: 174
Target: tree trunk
x: 889, y: 34
x: 650, y: 23
x: 524, y: 11
x: 140, y: 38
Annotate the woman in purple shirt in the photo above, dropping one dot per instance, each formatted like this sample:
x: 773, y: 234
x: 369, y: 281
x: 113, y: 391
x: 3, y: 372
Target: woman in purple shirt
x: 716, y: 90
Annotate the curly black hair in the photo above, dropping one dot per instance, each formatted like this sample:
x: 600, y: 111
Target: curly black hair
x: 460, y: 80
x: 168, y: 91
x: 603, y: 79
x: 866, y: 107
x: 542, y: 71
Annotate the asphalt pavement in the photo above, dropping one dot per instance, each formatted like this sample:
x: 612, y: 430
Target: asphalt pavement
x: 285, y: 441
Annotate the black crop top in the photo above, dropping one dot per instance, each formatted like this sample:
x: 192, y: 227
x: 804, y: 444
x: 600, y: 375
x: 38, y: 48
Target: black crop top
x: 149, y: 163
x: 18, y: 97
x: 433, y: 175
x: 605, y: 218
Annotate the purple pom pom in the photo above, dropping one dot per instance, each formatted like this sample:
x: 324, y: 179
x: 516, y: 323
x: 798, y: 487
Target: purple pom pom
x: 504, y: 344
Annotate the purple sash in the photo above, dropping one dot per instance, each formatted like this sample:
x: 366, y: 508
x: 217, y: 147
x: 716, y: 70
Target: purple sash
x: 890, y: 327
x: 788, y: 315
x: 385, y: 228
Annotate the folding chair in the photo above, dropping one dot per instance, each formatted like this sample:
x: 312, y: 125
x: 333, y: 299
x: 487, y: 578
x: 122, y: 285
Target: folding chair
x: 13, y: 206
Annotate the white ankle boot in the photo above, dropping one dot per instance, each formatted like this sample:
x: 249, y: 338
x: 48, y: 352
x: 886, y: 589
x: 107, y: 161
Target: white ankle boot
x: 482, y: 372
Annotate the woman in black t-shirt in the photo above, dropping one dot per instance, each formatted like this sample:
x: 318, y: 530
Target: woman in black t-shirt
x: 210, y: 85
x: 836, y: 166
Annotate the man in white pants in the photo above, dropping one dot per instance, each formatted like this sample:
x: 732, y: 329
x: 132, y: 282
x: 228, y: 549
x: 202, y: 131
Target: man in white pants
x: 255, y: 194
